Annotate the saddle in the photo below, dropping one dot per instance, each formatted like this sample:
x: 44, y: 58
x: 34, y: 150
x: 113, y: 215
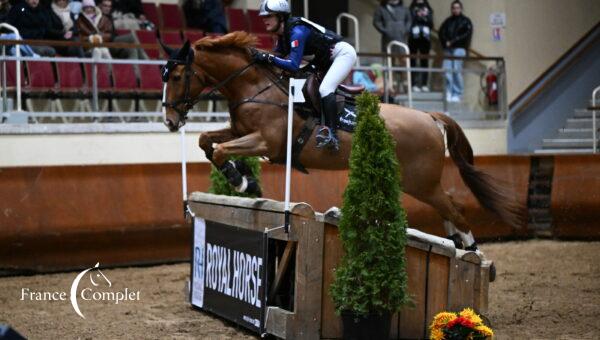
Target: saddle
x: 310, y: 110
x: 345, y: 99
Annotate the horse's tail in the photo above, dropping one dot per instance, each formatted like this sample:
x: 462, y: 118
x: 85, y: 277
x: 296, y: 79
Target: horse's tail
x: 490, y: 195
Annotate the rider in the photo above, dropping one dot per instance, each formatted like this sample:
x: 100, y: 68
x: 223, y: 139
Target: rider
x: 298, y: 37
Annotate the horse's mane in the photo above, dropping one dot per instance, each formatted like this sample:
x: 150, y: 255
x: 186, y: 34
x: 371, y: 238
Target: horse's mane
x: 238, y: 39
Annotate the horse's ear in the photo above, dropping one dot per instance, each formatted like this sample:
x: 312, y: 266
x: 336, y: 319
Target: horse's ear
x: 183, y: 52
x: 189, y: 53
x: 169, y: 51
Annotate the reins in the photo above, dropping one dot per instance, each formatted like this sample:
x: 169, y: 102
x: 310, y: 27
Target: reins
x: 189, y: 102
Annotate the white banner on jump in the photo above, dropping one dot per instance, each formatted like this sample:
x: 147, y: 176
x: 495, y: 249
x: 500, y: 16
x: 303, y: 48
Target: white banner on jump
x: 198, y: 262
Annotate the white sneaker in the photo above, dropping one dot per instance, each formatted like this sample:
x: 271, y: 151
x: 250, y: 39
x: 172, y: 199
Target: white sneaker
x: 425, y: 89
x: 416, y: 89
x: 455, y: 99
x: 448, y: 97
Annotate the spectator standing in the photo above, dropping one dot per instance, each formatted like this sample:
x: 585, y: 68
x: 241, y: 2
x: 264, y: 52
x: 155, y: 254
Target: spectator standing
x: 208, y: 15
x: 419, y: 41
x: 31, y: 21
x: 393, y: 21
x: 455, y: 35
x: 62, y: 27
x: 94, y: 27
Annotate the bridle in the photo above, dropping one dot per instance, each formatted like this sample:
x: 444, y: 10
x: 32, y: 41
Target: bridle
x: 188, y: 102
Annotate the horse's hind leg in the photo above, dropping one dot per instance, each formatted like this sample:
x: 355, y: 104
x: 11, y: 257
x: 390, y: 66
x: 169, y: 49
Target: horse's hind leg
x: 454, y: 221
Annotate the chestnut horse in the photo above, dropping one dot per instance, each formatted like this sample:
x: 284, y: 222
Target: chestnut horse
x: 258, y: 112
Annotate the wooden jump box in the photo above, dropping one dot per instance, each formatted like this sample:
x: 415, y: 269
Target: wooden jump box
x: 440, y: 277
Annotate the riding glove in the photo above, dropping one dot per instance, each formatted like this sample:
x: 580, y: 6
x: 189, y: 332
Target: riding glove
x: 263, y: 57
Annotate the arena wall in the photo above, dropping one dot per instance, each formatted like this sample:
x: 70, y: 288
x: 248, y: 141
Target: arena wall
x: 142, y: 148
x: 59, y: 217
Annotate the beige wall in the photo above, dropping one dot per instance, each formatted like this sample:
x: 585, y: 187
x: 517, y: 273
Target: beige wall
x: 142, y: 148
x: 537, y: 32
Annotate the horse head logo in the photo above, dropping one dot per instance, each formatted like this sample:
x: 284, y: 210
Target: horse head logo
x: 96, y: 276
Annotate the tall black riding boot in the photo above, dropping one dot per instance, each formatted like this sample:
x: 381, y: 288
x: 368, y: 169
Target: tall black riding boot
x: 327, y: 136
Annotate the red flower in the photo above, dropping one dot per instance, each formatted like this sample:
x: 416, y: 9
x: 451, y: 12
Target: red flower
x: 461, y: 321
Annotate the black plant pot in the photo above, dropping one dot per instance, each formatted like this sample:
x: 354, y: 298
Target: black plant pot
x: 373, y: 326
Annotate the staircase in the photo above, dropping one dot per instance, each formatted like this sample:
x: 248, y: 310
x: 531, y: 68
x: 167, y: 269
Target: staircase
x: 574, y: 137
x: 539, y: 197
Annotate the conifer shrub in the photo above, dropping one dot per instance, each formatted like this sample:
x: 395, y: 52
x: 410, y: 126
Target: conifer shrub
x: 371, y: 277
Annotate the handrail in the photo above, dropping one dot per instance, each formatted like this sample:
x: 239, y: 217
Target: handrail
x: 84, y: 44
x: 596, y: 90
x: 470, y: 50
x: 338, y: 29
x: 389, y: 64
x: 88, y: 60
x: 429, y: 56
x: 17, y: 67
x: 305, y: 8
x: 540, y: 79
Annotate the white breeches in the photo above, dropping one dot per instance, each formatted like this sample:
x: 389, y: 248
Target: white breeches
x: 344, y: 58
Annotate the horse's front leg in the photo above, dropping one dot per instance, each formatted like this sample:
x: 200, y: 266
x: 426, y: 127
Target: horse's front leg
x: 249, y: 145
x: 207, y: 139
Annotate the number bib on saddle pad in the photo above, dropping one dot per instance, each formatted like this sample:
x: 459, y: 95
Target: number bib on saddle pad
x: 348, y: 117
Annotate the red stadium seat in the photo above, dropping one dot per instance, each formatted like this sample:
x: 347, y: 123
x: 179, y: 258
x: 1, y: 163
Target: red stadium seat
x: 151, y: 12
x: 172, y: 19
x: 124, y: 77
x: 41, y: 84
x: 150, y: 79
x: 236, y: 19
x: 11, y: 74
x: 256, y: 24
x: 125, y: 87
x: 104, y: 82
x: 171, y: 38
x: 193, y: 35
x: 70, y: 77
x: 265, y: 41
x: 40, y: 76
x: 148, y: 37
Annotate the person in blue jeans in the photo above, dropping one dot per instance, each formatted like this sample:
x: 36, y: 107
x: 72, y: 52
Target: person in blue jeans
x: 455, y: 36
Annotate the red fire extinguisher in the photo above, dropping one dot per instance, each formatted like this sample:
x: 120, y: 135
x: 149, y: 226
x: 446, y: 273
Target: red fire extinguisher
x: 491, y: 87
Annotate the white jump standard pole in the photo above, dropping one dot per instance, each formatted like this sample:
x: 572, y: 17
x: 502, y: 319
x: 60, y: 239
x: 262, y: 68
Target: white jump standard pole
x: 295, y: 96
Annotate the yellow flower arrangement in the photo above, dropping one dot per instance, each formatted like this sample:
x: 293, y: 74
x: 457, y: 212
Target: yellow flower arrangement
x: 464, y: 325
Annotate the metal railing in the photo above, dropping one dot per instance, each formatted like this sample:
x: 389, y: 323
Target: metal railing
x: 408, y: 71
x: 594, y: 126
x: 338, y: 29
x: 17, y: 69
x: 94, y: 61
x: 475, y: 72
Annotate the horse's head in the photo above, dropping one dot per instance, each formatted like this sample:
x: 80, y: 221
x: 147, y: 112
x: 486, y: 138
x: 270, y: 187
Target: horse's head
x: 182, y: 85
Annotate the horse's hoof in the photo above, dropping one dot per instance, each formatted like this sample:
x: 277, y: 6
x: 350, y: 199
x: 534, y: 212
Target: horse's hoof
x: 457, y: 240
x: 253, y: 188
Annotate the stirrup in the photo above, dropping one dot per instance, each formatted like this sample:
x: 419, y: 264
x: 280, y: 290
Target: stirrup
x: 325, y: 137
